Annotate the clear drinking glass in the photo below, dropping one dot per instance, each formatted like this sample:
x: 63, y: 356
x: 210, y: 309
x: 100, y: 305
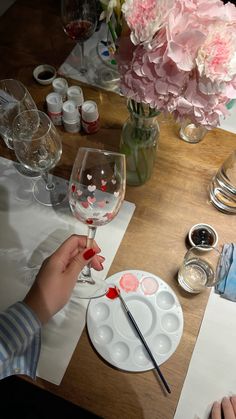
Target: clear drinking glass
x: 14, y: 98
x: 96, y: 192
x: 200, y: 269
x: 38, y: 146
x: 192, y: 133
x: 223, y: 186
x: 79, y: 19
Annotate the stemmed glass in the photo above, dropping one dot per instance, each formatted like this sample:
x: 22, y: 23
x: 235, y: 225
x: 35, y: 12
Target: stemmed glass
x: 14, y: 98
x: 38, y: 146
x: 96, y: 192
x: 79, y: 19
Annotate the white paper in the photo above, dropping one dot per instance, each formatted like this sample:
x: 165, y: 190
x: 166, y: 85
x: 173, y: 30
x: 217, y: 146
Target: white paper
x: 212, y: 370
x: 29, y: 232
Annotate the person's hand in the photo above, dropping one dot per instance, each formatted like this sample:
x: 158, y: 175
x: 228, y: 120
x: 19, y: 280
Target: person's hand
x: 226, y: 409
x: 58, y: 275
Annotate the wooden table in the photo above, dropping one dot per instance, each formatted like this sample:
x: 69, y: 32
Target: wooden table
x: 167, y: 206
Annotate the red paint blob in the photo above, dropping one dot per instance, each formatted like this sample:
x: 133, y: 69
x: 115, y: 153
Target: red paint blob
x: 73, y: 188
x: 89, y: 221
x: 103, y: 188
x: 112, y: 293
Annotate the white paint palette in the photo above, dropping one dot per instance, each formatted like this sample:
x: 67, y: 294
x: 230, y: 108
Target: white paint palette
x: 157, y: 311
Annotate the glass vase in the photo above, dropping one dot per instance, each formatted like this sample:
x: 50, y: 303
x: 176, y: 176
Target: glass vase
x: 192, y: 133
x: 139, y: 140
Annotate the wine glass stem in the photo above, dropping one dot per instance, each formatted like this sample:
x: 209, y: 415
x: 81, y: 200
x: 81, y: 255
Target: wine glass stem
x: 47, y: 177
x: 86, y: 272
x: 82, y: 68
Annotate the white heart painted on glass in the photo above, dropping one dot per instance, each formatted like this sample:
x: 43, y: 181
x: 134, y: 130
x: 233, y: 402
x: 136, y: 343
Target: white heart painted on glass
x: 103, y: 182
x: 113, y: 181
x: 89, y: 177
x: 116, y: 194
x: 79, y: 193
x: 91, y: 188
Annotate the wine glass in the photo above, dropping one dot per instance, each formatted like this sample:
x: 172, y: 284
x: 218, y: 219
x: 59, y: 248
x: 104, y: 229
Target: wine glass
x: 14, y: 98
x: 96, y: 192
x: 38, y: 146
x: 79, y: 19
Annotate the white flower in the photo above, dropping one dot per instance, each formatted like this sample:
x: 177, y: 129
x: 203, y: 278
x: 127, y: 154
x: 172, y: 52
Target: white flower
x: 109, y: 6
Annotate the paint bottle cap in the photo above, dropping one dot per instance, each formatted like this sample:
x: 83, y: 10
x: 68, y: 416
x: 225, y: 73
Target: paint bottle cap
x: 70, y: 111
x: 54, y: 102
x: 60, y: 86
x: 75, y: 93
x: 89, y: 111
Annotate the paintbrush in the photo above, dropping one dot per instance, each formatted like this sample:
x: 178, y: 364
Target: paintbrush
x: 133, y: 322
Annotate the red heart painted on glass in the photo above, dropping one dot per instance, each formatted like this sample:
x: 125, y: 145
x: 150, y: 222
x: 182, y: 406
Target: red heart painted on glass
x: 91, y: 199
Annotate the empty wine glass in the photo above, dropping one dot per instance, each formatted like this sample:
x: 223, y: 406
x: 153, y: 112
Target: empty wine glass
x: 96, y: 192
x: 79, y: 19
x: 38, y: 146
x: 14, y: 98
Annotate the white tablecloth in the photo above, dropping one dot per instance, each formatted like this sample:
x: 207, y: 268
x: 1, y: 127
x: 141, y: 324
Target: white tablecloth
x: 211, y: 374
x: 29, y: 232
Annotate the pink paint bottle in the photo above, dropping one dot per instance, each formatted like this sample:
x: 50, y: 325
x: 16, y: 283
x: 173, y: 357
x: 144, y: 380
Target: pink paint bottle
x: 90, y: 117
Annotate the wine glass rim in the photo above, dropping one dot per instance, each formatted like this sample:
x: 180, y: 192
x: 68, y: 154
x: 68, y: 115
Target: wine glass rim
x: 99, y: 150
x: 34, y: 111
x: 24, y: 89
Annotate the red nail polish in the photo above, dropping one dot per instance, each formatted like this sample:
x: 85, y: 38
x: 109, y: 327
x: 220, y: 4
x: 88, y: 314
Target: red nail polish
x: 88, y: 254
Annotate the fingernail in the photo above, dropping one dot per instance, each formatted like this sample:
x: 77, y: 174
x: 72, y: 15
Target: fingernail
x: 102, y: 267
x: 88, y: 254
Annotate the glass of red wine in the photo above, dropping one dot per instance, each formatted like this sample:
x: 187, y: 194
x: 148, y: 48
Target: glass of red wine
x: 79, y: 19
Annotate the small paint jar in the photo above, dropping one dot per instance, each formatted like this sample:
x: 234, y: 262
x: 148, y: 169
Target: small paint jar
x: 72, y: 126
x: 90, y: 117
x: 203, y: 235
x: 69, y: 111
x: 75, y: 93
x: 44, y: 74
x: 71, y: 117
x: 54, y: 107
x: 60, y: 86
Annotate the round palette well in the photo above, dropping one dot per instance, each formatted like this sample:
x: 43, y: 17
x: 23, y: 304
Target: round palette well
x: 156, y: 310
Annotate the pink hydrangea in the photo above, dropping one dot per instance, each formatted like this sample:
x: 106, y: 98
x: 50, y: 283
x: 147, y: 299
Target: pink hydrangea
x: 188, y: 66
x: 145, y: 17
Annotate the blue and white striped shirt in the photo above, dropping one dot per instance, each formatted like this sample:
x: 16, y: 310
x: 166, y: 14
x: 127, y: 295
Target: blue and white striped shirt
x: 20, y: 341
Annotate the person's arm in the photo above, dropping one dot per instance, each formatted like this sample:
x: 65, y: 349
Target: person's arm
x: 20, y: 341
x: 20, y: 324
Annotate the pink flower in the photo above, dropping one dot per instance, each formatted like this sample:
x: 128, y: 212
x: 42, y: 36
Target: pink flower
x: 182, y: 61
x: 216, y: 58
x: 145, y: 17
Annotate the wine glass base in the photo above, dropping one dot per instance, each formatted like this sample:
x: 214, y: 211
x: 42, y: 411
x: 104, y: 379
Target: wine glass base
x: 86, y: 290
x: 83, y: 70
x: 51, y: 197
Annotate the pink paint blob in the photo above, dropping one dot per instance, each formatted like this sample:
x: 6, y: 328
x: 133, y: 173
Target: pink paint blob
x: 149, y: 285
x: 129, y: 282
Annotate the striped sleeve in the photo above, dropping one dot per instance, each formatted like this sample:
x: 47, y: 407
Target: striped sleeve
x: 20, y: 341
